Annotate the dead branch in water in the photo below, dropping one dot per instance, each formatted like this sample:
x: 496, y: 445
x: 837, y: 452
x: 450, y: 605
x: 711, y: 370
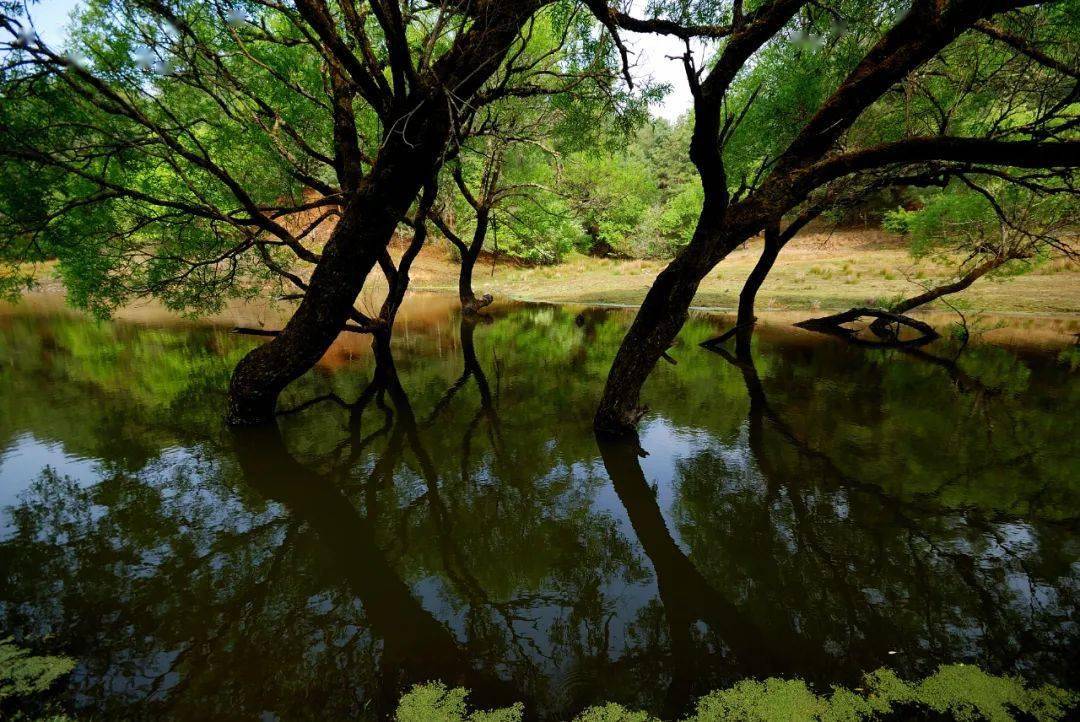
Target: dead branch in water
x: 834, y: 325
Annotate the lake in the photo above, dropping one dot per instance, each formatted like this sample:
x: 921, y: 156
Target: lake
x: 827, y: 510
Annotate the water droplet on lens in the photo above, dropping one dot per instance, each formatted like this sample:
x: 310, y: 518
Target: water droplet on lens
x: 144, y: 58
x: 236, y: 17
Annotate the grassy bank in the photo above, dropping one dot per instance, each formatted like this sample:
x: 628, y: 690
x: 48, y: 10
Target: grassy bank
x: 816, y: 271
x: 826, y: 271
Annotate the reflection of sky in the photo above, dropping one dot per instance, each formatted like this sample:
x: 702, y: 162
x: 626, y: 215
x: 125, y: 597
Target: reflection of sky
x: 667, y: 446
x: 22, y: 462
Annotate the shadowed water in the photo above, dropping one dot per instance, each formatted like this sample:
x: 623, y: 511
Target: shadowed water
x: 822, y: 511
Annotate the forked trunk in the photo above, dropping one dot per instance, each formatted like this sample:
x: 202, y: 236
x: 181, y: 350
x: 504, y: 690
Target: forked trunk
x: 366, y: 227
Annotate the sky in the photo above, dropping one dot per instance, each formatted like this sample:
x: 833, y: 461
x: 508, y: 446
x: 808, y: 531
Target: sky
x: 650, y: 54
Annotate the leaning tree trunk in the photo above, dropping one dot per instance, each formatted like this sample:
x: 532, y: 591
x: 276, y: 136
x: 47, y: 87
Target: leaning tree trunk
x: 372, y: 212
x: 366, y: 226
x: 955, y: 287
x: 658, y: 321
x: 667, y: 306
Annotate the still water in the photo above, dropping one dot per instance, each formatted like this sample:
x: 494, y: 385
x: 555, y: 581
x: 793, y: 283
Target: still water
x: 827, y: 510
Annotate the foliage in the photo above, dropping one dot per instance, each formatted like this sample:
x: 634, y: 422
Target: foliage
x: 509, y: 154
x: 435, y: 703
x: 960, y: 692
x: 188, y: 141
x: 679, y: 217
x: 24, y: 675
x: 998, y: 218
x: 641, y: 200
x: 610, y: 197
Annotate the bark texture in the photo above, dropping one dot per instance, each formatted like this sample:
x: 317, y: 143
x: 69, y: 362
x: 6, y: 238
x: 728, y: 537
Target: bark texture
x: 956, y: 286
x: 810, y: 162
x: 418, y: 131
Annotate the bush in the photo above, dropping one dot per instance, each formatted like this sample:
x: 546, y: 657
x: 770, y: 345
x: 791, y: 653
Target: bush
x: 959, y: 692
x: 24, y: 676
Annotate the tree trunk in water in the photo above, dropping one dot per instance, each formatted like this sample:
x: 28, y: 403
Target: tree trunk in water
x: 465, y: 290
x: 366, y: 227
x: 658, y: 321
x: 665, y: 310
x: 748, y: 296
x: 955, y: 287
x: 470, y: 304
x: 411, y: 154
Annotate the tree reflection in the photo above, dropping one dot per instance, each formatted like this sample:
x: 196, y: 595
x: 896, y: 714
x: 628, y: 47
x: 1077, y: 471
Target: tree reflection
x: 877, y: 577
x: 443, y: 510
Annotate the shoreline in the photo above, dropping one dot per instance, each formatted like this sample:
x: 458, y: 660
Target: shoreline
x: 424, y: 308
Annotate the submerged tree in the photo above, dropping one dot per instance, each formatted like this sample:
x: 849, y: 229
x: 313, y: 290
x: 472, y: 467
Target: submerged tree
x: 859, y: 123
x: 997, y: 226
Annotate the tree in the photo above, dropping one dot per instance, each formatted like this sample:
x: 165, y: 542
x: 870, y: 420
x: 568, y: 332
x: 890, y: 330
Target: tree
x: 178, y: 175
x: 995, y: 225
x: 859, y: 126
x: 509, y: 151
x: 610, y: 195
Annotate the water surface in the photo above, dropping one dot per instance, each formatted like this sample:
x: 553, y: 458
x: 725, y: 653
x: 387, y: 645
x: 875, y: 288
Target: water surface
x: 824, y: 511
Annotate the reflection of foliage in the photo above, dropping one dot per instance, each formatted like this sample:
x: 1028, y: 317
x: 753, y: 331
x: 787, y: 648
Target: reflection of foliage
x: 939, y: 498
x: 1070, y: 357
x: 126, y: 391
x: 959, y: 692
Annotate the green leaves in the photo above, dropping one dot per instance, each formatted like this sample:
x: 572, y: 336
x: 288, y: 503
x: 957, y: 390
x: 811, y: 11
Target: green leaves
x: 958, y: 692
x: 23, y: 674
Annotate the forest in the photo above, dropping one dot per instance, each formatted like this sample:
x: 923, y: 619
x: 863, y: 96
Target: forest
x: 522, y: 350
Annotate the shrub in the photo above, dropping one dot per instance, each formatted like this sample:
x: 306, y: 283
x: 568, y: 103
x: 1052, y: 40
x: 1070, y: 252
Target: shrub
x: 959, y: 692
x: 23, y: 675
